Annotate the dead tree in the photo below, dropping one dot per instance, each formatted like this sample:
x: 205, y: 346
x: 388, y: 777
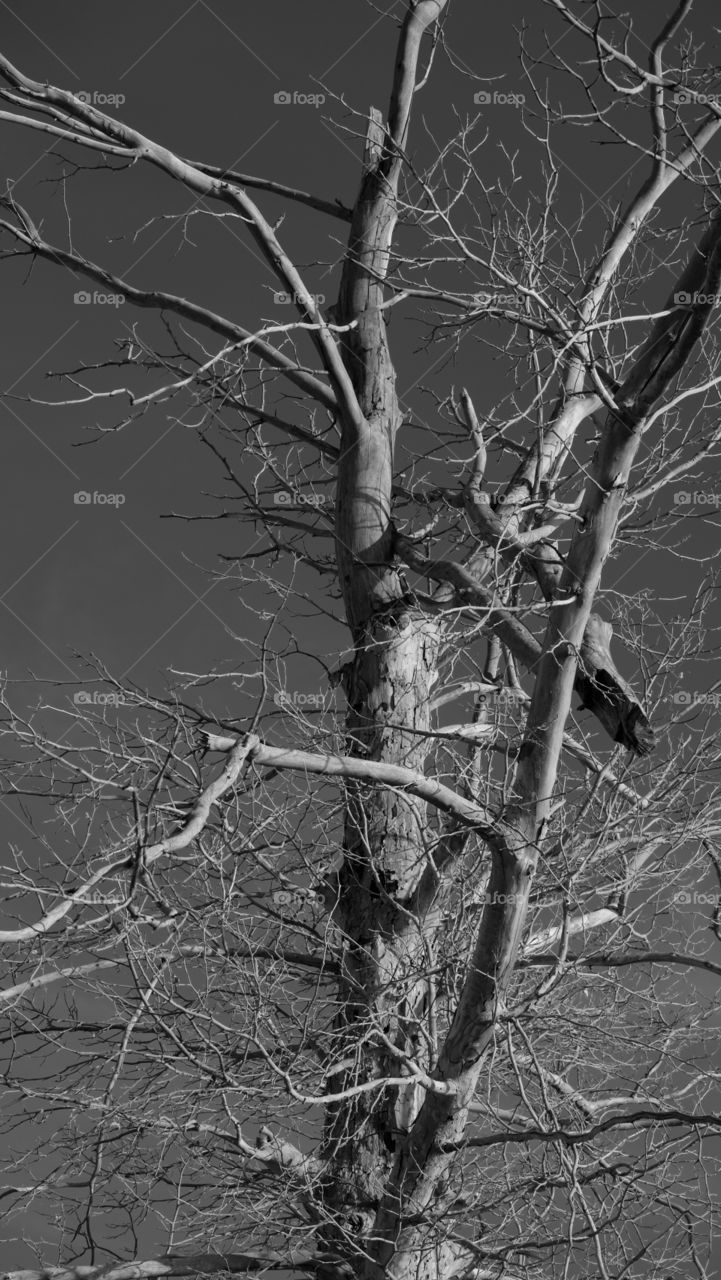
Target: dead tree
x: 367, y: 967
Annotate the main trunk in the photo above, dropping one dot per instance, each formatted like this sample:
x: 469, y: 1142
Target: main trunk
x: 384, y: 990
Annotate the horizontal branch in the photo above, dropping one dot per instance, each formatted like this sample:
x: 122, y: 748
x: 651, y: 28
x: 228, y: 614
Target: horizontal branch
x: 573, y: 1138
x: 266, y: 954
x: 360, y: 770
x: 172, y: 1264
x: 241, y: 751
x: 602, y: 960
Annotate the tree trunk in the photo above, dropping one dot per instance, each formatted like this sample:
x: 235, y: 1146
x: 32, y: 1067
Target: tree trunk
x: 388, y: 684
x: 383, y: 989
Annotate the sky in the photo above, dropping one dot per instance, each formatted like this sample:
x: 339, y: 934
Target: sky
x: 113, y: 577
x: 92, y: 565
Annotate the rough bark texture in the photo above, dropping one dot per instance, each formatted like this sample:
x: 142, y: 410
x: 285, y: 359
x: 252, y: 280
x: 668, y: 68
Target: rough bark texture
x: 388, y: 686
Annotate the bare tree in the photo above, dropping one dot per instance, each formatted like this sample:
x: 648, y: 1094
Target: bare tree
x: 401, y: 975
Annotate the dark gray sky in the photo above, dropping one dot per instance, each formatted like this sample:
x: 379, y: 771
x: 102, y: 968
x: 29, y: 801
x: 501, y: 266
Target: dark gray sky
x: 202, y: 78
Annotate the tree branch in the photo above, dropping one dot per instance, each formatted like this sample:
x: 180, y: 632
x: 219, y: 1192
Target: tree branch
x: 361, y: 770
x: 172, y: 1264
x: 174, y: 166
x: 157, y: 300
x: 194, y: 824
x: 569, y: 1138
